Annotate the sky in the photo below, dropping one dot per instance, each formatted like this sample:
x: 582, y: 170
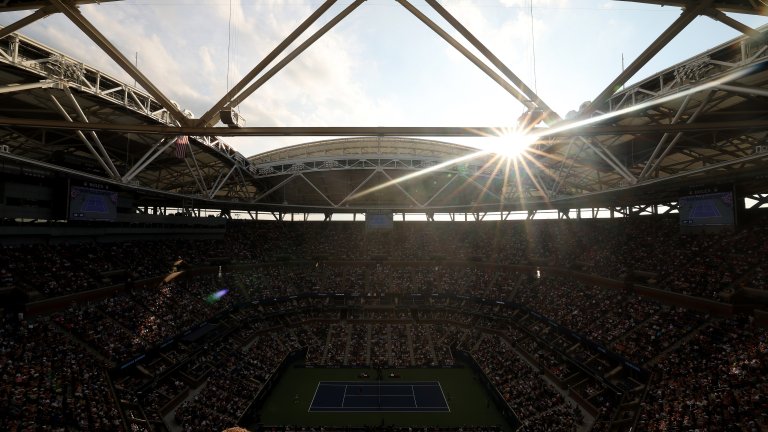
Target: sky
x: 380, y: 66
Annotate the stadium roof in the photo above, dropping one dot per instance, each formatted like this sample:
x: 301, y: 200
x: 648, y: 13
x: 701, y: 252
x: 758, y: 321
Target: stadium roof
x: 698, y: 122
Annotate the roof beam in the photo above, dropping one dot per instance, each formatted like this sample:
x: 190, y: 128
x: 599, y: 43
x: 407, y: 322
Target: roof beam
x: 730, y: 22
x: 383, y: 131
x: 147, y: 159
x: 754, y: 91
x: 36, y: 4
x: 550, y: 115
x: 396, y: 183
x: 102, y: 42
x: 295, y: 53
x: 436, y: 194
x: 220, y: 182
x: 208, y: 118
x: 665, y: 137
x: 30, y: 86
x: 325, y: 197
x: 27, y: 20
x: 276, y: 187
x: 471, y: 57
x: 610, y: 159
x: 354, y: 191
x: 688, y: 15
x: 657, y: 163
x: 60, y: 108
x: 93, y: 134
x: 200, y: 183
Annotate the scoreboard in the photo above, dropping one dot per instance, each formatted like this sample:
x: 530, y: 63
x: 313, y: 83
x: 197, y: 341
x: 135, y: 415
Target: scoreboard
x: 379, y: 220
x: 710, y: 206
x: 91, y: 201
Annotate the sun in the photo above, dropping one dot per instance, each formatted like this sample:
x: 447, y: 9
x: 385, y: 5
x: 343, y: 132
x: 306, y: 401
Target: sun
x: 510, y: 144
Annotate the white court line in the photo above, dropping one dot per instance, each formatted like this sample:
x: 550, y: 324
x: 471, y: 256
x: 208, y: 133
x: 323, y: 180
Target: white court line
x: 444, y: 398
x: 377, y: 409
x: 358, y: 396
x: 313, y: 398
x: 383, y: 385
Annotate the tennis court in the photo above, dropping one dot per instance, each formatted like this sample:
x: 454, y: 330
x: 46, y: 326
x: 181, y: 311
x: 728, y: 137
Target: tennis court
x: 379, y: 396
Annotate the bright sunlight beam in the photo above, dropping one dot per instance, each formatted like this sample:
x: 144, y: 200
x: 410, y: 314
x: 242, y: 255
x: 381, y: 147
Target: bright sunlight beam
x: 513, y: 143
x: 509, y: 144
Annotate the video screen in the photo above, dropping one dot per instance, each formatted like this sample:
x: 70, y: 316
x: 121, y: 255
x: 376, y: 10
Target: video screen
x: 91, y: 204
x: 378, y: 220
x: 707, y: 209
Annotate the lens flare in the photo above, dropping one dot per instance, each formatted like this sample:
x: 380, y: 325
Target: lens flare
x: 514, y: 145
x: 213, y: 298
x: 509, y: 144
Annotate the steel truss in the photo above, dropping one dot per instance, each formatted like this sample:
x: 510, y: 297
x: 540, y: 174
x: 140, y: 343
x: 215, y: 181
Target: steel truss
x: 703, y: 117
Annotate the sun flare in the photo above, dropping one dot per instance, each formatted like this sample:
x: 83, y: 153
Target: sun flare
x: 510, y: 145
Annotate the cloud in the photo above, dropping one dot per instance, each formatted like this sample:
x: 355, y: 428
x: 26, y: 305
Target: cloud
x: 182, y: 49
x: 379, y: 66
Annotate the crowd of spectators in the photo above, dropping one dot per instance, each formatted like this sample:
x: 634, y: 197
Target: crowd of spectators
x: 394, y: 314
x: 380, y: 348
x: 535, y: 402
x: 409, y: 345
x: 238, y: 374
x: 48, y: 382
x: 129, y: 323
x: 635, y: 327
x: 336, y: 348
x: 396, y: 336
x: 359, y: 346
x: 715, y: 381
x: 705, y: 265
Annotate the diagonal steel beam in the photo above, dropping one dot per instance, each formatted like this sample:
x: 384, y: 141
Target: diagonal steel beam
x: 445, y: 186
x: 685, y: 18
x: 550, y: 115
x: 628, y: 175
x: 295, y: 53
x: 481, y: 187
x: 538, y: 183
x: 84, y: 139
x: 194, y: 159
x: 99, y: 145
x: 559, y: 179
x: 397, y: 185
x: 147, y: 159
x: 102, y: 42
x: 216, y: 187
x: 200, y: 186
x: 276, y: 187
x: 677, y: 137
x: 471, y: 57
x: 210, y: 117
x: 354, y: 191
x: 610, y: 160
x: 730, y: 22
x: 665, y: 137
x: 27, y: 20
x: 325, y: 197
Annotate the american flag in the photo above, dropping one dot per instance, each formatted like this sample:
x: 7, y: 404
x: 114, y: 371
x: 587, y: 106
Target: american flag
x: 182, y: 144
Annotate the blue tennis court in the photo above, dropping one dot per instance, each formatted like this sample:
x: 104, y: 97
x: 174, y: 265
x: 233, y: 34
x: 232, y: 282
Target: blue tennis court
x: 356, y: 396
x: 704, y: 209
